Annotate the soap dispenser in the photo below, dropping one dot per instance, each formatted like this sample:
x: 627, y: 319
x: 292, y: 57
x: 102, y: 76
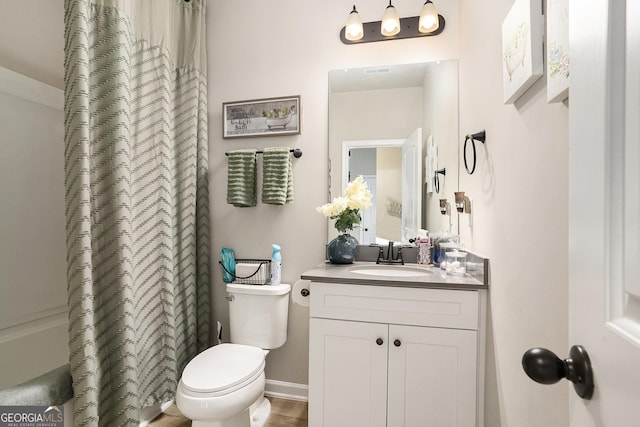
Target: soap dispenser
x: 276, y: 265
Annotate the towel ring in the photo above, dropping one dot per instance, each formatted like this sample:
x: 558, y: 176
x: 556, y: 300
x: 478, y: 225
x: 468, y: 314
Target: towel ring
x: 436, y: 179
x: 479, y: 136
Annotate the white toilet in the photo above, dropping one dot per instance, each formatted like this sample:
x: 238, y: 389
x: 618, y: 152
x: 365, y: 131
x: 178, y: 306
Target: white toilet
x: 224, y: 385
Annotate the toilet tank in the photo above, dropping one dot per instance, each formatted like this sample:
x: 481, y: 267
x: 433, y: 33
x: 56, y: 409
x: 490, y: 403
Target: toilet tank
x: 258, y: 314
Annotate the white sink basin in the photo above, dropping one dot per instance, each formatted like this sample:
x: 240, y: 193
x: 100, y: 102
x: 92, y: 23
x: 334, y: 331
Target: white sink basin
x: 391, y: 271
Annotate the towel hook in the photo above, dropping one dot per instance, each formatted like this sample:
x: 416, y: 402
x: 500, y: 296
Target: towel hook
x: 478, y: 136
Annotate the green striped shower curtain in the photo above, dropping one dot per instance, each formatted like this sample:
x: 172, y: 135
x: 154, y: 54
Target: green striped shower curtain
x: 136, y: 177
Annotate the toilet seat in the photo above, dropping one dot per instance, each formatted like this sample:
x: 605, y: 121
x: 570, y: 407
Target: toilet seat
x: 223, y: 369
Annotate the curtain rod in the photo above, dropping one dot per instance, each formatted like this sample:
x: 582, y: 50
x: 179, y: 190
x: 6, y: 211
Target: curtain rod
x: 297, y: 153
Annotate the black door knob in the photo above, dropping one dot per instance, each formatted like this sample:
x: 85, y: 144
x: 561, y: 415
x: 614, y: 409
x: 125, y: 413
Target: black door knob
x: 379, y: 341
x: 544, y: 367
x: 397, y: 342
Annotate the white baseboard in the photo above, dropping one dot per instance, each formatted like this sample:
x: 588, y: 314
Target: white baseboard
x: 285, y: 390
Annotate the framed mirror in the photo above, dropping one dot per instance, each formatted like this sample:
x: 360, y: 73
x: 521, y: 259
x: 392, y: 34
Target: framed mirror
x: 396, y: 126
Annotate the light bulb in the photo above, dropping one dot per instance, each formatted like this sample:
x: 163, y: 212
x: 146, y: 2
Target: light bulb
x: 428, y: 18
x: 390, y: 25
x: 353, y: 29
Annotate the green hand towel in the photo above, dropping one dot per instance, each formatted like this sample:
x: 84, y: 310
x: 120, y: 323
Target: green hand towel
x: 241, y: 179
x: 277, y: 176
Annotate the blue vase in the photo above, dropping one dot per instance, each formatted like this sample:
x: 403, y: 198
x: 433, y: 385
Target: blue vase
x: 342, y: 249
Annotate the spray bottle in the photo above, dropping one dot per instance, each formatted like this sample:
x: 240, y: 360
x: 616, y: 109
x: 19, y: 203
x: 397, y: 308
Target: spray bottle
x: 276, y: 265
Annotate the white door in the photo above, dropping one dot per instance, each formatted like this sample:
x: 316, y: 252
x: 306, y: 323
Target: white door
x: 604, y: 207
x: 432, y: 377
x: 411, y: 185
x: 368, y: 225
x: 348, y: 379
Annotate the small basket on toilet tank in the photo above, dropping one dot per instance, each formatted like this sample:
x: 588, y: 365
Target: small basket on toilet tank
x: 249, y: 271
x: 258, y: 314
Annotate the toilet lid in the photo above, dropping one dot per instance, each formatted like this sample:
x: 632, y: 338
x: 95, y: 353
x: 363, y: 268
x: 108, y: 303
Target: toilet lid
x: 221, y: 367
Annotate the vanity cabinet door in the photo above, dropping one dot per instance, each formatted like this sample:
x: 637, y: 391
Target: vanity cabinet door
x: 432, y: 377
x: 348, y: 375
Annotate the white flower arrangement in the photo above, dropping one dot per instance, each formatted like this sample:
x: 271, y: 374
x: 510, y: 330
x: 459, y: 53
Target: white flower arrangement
x: 346, y: 209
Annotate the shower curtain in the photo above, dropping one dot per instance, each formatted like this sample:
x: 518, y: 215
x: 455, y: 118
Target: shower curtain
x: 136, y: 201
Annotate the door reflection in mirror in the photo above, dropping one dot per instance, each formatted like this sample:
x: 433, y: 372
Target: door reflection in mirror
x: 381, y: 168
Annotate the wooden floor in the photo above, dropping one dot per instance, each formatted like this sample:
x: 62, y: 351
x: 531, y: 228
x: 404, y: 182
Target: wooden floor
x: 284, y: 413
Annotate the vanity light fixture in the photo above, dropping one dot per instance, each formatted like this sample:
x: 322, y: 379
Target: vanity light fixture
x: 429, y: 21
x: 392, y: 27
x: 353, y: 29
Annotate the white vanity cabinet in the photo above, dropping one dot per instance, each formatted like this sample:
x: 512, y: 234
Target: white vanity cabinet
x: 394, y: 356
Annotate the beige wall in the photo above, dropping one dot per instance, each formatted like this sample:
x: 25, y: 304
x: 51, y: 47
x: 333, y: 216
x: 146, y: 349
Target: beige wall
x: 520, y: 191
x: 441, y: 115
x: 264, y: 49
x: 32, y: 236
x: 32, y: 39
x: 282, y: 48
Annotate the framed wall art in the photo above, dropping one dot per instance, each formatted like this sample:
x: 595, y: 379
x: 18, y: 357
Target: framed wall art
x: 557, y: 50
x: 261, y: 117
x: 522, y: 49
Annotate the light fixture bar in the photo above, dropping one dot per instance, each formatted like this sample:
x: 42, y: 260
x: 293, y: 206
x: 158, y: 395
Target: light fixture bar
x: 409, y: 28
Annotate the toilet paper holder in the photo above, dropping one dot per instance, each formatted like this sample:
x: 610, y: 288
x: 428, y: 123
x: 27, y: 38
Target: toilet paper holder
x: 300, y: 292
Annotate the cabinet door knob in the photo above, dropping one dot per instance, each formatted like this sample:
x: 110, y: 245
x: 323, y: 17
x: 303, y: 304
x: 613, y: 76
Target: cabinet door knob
x: 397, y: 342
x: 379, y: 341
